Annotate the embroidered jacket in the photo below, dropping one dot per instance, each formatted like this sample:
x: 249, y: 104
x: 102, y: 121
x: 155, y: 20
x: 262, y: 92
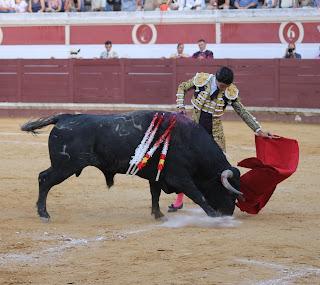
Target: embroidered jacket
x: 207, y: 98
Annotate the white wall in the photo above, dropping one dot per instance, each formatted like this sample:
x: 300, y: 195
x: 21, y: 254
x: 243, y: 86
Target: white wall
x: 157, y: 51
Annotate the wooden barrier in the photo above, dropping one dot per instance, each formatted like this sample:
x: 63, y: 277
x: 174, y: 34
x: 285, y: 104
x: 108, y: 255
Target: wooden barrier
x: 262, y: 83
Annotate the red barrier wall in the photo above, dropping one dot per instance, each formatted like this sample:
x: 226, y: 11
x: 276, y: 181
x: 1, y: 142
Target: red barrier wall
x: 265, y: 83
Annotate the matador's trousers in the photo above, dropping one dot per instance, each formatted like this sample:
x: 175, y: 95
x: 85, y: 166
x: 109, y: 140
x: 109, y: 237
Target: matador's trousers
x: 217, y: 128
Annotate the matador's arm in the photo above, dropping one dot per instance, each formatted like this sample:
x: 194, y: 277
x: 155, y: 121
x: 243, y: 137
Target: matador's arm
x: 246, y: 116
x: 181, y: 92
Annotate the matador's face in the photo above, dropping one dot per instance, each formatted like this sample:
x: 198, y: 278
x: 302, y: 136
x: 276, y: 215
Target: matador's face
x: 222, y: 86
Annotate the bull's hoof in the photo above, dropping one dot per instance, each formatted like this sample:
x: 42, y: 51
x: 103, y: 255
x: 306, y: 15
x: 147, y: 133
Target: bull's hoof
x: 163, y: 219
x: 44, y: 216
x: 45, y: 219
x: 157, y: 214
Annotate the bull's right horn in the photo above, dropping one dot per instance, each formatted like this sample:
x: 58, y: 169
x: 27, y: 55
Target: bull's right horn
x: 225, y: 182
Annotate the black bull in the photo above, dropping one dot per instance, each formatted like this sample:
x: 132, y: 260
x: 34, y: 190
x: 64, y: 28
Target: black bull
x: 195, y: 165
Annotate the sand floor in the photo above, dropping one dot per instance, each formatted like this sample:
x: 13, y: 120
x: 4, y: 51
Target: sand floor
x: 100, y: 236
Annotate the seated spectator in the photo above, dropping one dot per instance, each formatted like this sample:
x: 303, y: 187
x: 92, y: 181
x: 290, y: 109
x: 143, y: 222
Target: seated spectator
x: 270, y: 4
x: 318, y: 57
x: 164, y: 5
x: 316, y: 3
x: 115, y: 5
x: 128, y: 5
x: 98, y: 5
x: 220, y: 4
x: 151, y: 5
x: 21, y: 6
x: 203, y: 53
x: 7, y: 6
x: 73, y: 5
x: 139, y: 5
x: 109, y: 5
x: 187, y: 5
x: 245, y: 4
x: 177, y: 5
x: 288, y: 3
x: 36, y: 6
x: 290, y: 52
x: 54, y: 6
x: 306, y: 3
x: 108, y: 53
x: 179, y: 53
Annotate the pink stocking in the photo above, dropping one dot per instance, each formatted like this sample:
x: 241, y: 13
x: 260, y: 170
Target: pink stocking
x: 179, y: 200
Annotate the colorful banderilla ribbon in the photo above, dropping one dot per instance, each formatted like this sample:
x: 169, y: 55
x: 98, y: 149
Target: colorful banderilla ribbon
x: 149, y: 154
x: 145, y: 143
x: 163, y: 156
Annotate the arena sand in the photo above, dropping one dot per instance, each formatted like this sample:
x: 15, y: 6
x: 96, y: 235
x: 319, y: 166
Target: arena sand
x: 100, y: 236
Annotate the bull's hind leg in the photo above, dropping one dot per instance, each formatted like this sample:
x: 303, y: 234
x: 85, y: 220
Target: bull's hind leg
x: 155, y: 191
x: 48, y: 179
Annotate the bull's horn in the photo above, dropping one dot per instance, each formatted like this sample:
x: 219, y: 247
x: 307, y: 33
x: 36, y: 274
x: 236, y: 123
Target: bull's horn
x: 225, y: 182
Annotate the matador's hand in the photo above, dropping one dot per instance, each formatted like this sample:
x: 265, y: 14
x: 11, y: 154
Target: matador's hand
x: 261, y: 133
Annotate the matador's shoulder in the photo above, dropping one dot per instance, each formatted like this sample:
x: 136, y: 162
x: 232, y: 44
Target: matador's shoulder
x: 232, y: 92
x: 201, y: 79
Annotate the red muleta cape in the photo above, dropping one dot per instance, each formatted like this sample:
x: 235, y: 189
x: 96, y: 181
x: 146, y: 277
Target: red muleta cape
x: 276, y: 160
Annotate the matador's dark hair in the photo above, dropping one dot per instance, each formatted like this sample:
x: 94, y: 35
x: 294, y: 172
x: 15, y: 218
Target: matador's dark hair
x: 225, y: 75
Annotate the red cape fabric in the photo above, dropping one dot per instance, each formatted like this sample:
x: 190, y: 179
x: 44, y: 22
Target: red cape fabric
x: 276, y: 160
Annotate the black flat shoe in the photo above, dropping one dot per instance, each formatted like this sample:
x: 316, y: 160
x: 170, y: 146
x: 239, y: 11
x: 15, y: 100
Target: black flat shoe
x: 172, y: 208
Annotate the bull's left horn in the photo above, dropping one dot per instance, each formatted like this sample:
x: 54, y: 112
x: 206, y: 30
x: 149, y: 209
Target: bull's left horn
x: 225, y: 182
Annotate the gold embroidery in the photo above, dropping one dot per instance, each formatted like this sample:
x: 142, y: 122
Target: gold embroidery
x: 201, y: 79
x: 232, y: 92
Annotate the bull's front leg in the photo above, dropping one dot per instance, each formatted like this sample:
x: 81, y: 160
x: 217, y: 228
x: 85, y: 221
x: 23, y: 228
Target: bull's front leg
x: 188, y: 187
x: 155, y: 191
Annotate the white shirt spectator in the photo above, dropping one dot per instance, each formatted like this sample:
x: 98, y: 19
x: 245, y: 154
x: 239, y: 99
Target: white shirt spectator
x: 6, y: 5
x: 21, y: 6
x: 110, y: 54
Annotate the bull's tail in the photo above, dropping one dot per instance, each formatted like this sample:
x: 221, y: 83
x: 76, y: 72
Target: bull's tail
x: 32, y: 126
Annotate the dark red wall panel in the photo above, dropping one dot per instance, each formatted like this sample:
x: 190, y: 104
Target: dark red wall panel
x: 265, y: 83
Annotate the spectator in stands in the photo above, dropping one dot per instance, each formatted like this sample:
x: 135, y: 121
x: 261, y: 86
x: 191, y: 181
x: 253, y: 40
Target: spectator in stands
x: 109, y: 6
x: 108, y: 53
x: 139, y: 5
x: 21, y: 6
x: 316, y: 3
x: 74, y: 6
x: 306, y: 3
x: 290, y: 52
x: 7, y: 6
x: 179, y: 53
x: 270, y: 4
x: 318, y: 57
x: 288, y: 3
x: 151, y: 5
x: 54, y: 6
x: 36, y: 6
x: 114, y: 4
x: 246, y: 4
x: 164, y: 5
x: 203, y: 53
x: 187, y: 5
x: 128, y: 5
x: 98, y: 5
x: 220, y: 4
